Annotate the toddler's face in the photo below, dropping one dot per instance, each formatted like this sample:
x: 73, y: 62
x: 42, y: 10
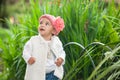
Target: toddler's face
x: 45, y: 27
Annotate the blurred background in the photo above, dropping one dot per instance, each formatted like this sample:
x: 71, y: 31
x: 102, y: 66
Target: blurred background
x: 10, y: 8
x: 91, y: 38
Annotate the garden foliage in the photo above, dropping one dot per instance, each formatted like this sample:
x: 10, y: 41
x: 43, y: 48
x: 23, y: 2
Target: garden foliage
x: 91, y: 39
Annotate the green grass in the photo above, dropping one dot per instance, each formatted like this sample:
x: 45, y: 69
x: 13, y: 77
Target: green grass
x: 91, y: 30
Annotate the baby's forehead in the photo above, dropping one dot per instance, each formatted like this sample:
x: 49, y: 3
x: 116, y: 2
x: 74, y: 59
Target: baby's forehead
x: 45, y: 20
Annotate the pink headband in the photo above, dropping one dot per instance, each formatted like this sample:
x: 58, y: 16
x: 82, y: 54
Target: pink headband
x: 57, y: 22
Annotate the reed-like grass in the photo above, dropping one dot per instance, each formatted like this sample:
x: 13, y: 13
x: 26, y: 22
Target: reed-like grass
x: 91, y: 30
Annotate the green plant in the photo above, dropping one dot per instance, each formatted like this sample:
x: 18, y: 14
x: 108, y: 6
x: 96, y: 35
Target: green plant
x: 90, y: 31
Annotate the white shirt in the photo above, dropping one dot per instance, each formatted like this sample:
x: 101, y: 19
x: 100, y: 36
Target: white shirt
x: 50, y: 65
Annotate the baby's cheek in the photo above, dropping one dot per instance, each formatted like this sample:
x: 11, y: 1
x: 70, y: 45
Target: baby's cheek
x: 39, y: 28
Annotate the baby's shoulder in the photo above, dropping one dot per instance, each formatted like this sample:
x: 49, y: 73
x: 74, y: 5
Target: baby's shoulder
x: 34, y: 37
x: 56, y: 40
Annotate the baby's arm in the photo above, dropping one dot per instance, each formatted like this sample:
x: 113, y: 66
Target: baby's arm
x: 61, y: 57
x: 57, y: 48
x: 27, y: 53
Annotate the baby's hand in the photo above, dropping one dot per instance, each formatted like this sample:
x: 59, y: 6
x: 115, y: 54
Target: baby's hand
x: 31, y: 60
x: 59, y: 61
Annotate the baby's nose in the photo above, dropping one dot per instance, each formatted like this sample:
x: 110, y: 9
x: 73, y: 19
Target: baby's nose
x: 42, y: 25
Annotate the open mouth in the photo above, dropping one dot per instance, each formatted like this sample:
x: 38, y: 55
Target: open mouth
x: 42, y: 29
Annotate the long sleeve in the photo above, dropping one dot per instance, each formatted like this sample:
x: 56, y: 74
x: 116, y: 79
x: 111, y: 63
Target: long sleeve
x: 62, y: 55
x: 61, y: 51
x: 27, y: 51
x: 57, y: 48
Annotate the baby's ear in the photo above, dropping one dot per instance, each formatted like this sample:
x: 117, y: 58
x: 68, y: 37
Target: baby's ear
x: 54, y: 31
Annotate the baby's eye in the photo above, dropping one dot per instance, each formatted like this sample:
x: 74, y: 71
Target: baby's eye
x: 47, y: 24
